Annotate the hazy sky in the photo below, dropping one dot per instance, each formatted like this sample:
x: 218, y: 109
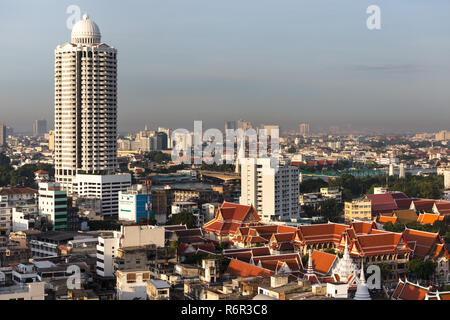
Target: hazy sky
x: 270, y: 61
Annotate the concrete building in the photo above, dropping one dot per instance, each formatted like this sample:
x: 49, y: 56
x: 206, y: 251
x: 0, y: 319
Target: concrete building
x: 158, y: 290
x: 107, y: 247
x: 359, y: 209
x: 132, y: 285
x: 53, y: 204
x: 28, y: 291
x: 46, y: 244
x: 10, y: 199
x: 128, y: 237
x: 447, y: 179
x: 273, y: 193
x: 85, y: 105
x: 331, y: 193
x: 135, y: 205
x: 103, y: 187
x: 443, y: 135
x: 2, y: 134
x: 51, y: 140
x: 303, y: 129
x: 39, y: 127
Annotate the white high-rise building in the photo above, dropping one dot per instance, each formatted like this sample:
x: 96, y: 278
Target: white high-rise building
x: 273, y: 193
x: 303, y: 129
x: 402, y: 171
x: 106, y: 188
x: 85, y: 105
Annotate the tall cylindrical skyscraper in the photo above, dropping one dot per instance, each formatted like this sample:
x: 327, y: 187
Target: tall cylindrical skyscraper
x: 85, y: 105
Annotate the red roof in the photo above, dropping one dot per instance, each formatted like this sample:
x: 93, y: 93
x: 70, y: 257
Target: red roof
x: 243, y: 269
x: 382, y: 203
x: 423, y: 243
x: 378, y: 244
x: 320, y: 233
x: 41, y: 172
x: 231, y: 216
x: 423, y: 204
x: 409, y: 291
x: 429, y: 218
x: 404, y: 204
x: 322, y: 261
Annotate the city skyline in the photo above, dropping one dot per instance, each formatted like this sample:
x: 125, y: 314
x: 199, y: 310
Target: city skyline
x: 321, y: 66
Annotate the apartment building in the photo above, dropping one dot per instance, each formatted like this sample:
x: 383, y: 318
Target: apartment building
x: 359, y: 209
x: 106, y: 188
x: 53, y: 204
x: 274, y: 192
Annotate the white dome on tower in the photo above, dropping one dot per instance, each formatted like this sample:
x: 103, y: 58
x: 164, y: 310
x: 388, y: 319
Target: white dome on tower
x: 85, y: 31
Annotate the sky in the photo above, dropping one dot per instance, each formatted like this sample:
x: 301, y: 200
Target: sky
x: 266, y: 61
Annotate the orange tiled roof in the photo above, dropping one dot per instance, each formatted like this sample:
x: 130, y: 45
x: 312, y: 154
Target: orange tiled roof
x: 429, y: 218
x: 243, y: 269
x: 322, y: 261
x: 423, y: 243
x: 320, y: 233
x: 409, y: 291
x: 231, y: 216
x: 385, y: 219
x: 362, y: 227
x: 378, y: 244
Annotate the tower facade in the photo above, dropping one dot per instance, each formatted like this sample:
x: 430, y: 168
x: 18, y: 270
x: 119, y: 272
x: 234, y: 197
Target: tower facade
x: 85, y: 105
x: 273, y: 193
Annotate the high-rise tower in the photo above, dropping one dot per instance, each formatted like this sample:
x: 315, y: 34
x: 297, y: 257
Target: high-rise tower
x: 85, y: 105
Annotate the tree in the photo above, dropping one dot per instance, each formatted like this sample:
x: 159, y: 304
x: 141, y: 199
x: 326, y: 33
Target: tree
x: 184, y: 217
x: 447, y: 237
x: 385, y: 269
x: 312, y: 185
x: 4, y: 160
x: 330, y: 208
x: 292, y: 150
x: 422, y: 269
x: 221, y: 246
x: 158, y: 156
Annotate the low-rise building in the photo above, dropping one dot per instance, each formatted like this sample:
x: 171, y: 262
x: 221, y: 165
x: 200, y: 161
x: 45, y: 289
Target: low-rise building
x: 158, y: 290
x: 360, y: 209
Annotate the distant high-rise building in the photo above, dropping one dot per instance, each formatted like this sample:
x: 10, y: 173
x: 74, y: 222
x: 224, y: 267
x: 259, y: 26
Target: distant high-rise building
x: 271, y: 129
x: 244, y: 125
x: 167, y: 131
x: 273, y: 193
x: 402, y: 171
x: 9, y: 131
x: 391, y: 169
x: 161, y: 141
x: 39, y: 127
x: 230, y: 125
x: 442, y: 135
x: 2, y: 134
x: 303, y: 129
x: 85, y: 105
